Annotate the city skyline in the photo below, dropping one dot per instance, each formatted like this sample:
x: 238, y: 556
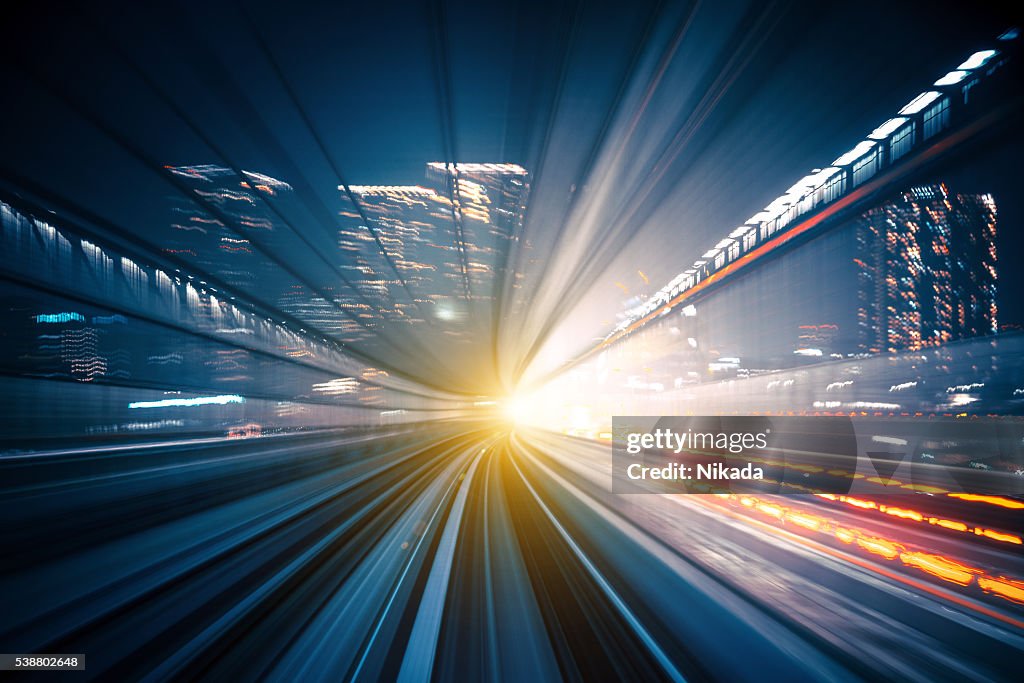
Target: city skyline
x: 519, y: 341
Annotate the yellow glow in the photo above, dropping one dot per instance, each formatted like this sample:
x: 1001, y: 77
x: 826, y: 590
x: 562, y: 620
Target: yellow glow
x: 521, y: 408
x: 516, y: 409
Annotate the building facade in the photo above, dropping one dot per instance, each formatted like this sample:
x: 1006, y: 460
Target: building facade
x: 926, y: 270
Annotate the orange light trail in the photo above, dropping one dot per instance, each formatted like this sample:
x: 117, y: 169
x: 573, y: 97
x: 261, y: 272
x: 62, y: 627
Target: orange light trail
x: 879, y: 546
x: 991, y: 500
x: 904, y: 514
x: 1008, y: 589
x: 941, y: 567
x: 919, y: 488
x: 916, y: 516
x: 1005, y: 538
x: 1004, y: 588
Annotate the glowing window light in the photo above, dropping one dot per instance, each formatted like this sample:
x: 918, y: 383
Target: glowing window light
x: 862, y: 148
x: 823, y: 176
x: 515, y: 169
x: 778, y: 207
x: 266, y: 180
x: 877, y: 405
x: 740, y: 231
x: 59, y: 318
x: 889, y: 127
x: 952, y: 78
x: 920, y: 102
x: 223, y: 399
x: 337, y: 387
x: 978, y: 59
x: 408, y: 190
x: 896, y: 441
x: 801, y: 186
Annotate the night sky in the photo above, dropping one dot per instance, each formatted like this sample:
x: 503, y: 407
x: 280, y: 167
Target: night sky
x: 99, y: 98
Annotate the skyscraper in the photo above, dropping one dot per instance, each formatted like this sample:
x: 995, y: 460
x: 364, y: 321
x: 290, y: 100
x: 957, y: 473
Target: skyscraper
x: 410, y: 222
x: 445, y: 239
x: 496, y: 194
x: 926, y: 270
x: 76, y: 346
x: 203, y: 239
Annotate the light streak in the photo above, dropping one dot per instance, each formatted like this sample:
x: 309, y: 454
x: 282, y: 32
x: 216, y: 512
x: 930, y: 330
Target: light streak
x: 905, y: 514
x: 223, y: 399
x: 991, y: 500
x: 1004, y: 588
x: 998, y: 536
x: 916, y: 516
x: 939, y: 566
x: 879, y: 546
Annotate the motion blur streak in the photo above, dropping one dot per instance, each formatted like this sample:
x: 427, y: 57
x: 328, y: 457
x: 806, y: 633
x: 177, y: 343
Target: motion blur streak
x: 455, y: 550
x: 316, y: 319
